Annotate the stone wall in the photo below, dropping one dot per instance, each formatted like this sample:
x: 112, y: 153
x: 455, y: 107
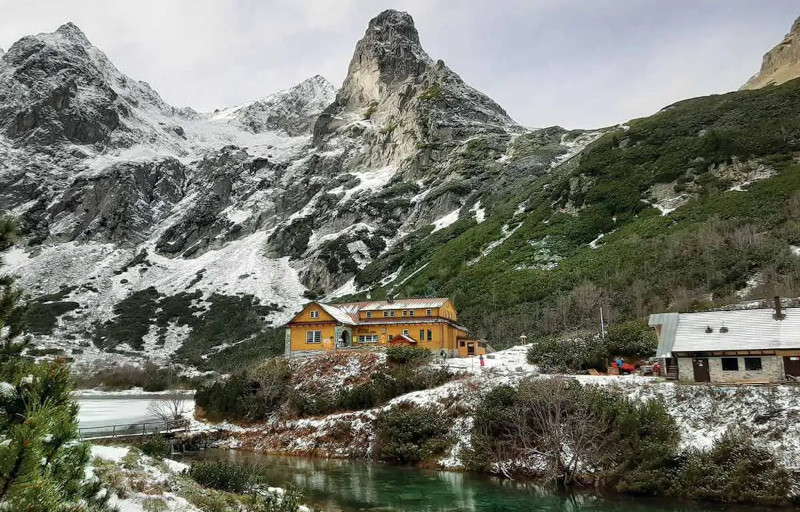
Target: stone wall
x: 771, y: 368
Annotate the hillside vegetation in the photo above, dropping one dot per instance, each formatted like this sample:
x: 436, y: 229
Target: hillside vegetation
x: 727, y: 162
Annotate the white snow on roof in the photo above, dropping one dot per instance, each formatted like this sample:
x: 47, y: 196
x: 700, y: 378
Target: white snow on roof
x: 752, y: 329
x: 338, y: 313
x: 405, y: 303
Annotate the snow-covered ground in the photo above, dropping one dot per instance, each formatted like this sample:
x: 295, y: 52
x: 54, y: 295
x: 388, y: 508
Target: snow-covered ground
x: 702, y: 412
x: 139, y: 483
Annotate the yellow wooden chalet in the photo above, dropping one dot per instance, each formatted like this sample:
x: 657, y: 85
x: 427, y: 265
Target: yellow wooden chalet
x: 424, y: 322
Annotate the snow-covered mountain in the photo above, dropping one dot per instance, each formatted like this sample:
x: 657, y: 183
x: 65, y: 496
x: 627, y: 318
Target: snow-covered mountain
x: 146, y: 227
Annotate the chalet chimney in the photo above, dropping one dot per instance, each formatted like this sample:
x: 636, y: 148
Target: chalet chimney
x: 779, y: 314
x: 389, y: 299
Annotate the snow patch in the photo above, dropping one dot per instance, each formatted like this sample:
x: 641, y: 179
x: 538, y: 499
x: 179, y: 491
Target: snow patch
x: 478, y: 212
x: 446, y: 220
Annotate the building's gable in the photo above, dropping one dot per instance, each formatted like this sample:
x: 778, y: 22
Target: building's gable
x: 448, y: 311
x: 312, y: 313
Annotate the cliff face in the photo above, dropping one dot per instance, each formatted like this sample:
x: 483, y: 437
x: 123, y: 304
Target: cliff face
x: 780, y: 64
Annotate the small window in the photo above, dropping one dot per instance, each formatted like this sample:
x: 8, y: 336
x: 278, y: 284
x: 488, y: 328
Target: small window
x: 391, y: 336
x: 430, y: 335
x: 428, y: 312
x: 405, y: 312
x: 368, y: 338
x: 314, y: 314
x: 369, y: 314
x: 385, y: 313
x: 730, y: 364
x: 752, y: 363
x: 405, y: 332
x: 462, y: 343
x: 421, y: 335
x: 391, y: 313
x: 313, y: 336
x: 411, y: 312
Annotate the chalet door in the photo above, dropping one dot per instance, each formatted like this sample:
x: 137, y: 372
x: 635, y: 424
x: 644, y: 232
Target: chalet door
x: 470, y: 349
x: 700, y: 366
x: 791, y: 365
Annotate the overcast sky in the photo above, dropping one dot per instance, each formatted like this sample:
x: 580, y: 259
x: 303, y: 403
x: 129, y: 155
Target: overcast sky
x: 576, y: 63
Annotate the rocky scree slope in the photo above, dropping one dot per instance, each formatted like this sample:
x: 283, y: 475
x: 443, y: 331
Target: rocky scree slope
x: 159, y: 232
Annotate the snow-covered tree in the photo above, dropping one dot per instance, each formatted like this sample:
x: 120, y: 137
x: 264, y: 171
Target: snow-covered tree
x: 42, y: 461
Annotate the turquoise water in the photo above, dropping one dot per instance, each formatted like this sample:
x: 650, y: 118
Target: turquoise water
x: 351, y: 486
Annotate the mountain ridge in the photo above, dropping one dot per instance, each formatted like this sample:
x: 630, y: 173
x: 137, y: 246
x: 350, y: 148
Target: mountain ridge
x: 188, y: 238
x: 249, y: 208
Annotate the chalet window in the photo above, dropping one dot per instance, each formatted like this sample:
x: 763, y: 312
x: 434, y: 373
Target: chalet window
x: 385, y: 313
x: 410, y: 312
x: 461, y: 343
x: 730, y: 364
x: 421, y: 335
x: 314, y: 314
x: 369, y: 314
x: 428, y: 312
x: 391, y: 336
x: 430, y: 335
x: 405, y: 332
x: 313, y: 336
x: 752, y: 363
x: 368, y: 338
x: 391, y: 313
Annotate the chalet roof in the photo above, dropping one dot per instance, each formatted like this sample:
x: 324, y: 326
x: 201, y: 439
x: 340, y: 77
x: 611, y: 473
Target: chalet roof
x: 404, y: 337
x: 749, y: 329
x: 347, y: 312
x: 343, y: 313
x: 421, y: 303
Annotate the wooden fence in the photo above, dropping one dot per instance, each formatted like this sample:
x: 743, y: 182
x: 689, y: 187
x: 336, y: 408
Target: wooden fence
x: 130, y: 430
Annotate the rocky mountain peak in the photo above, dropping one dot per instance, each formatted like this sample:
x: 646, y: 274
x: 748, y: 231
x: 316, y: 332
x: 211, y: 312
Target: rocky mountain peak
x: 388, y: 54
x: 71, y: 31
x: 780, y: 64
x: 57, y: 86
x: 402, y: 93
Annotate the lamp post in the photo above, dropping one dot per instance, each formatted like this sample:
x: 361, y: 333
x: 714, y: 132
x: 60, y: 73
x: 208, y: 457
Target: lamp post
x: 523, y: 338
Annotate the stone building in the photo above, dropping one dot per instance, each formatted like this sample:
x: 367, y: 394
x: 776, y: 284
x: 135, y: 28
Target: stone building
x: 740, y: 346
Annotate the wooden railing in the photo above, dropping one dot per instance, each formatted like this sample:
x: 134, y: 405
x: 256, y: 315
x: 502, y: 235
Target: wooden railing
x: 129, y: 430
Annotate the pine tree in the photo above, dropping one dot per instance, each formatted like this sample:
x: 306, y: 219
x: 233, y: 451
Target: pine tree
x: 42, y: 461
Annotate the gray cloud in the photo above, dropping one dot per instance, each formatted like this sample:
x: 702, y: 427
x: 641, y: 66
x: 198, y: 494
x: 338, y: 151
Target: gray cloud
x: 580, y: 63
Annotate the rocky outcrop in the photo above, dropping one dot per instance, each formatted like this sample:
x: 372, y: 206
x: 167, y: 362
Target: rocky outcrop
x: 122, y: 204
x: 780, y: 64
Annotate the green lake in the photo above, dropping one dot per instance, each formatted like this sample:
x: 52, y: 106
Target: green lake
x: 350, y: 486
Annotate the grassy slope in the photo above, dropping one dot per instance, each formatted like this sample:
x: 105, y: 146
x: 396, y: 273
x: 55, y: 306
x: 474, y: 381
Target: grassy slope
x: 698, y: 255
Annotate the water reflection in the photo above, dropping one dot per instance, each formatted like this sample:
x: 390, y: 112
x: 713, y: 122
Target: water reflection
x: 349, y: 486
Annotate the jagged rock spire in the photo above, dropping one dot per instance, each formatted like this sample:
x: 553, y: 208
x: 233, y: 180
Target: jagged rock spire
x: 388, y: 54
